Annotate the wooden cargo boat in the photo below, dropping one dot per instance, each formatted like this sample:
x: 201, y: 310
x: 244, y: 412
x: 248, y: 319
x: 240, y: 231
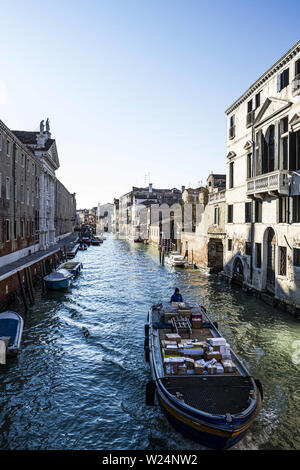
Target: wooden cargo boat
x: 213, y: 410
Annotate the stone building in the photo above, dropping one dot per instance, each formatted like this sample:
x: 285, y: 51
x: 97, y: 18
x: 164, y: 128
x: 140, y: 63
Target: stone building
x: 65, y: 211
x: 263, y: 188
x: 133, y: 210
x: 35, y: 208
x: 19, y: 198
x: 43, y: 147
x: 115, y: 216
x: 104, y: 218
x: 203, y: 238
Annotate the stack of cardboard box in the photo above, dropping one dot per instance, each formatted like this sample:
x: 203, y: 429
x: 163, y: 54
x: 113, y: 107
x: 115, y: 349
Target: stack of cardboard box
x: 186, y: 356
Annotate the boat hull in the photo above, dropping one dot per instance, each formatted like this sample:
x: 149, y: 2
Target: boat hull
x: 11, y: 325
x: 58, y: 285
x: 203, y: 434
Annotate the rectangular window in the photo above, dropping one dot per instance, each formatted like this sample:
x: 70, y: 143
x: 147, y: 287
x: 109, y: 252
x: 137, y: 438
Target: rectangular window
x: 296, y: 209
x: 7, y: 188
x: 230, y: 213
x: 22, y: 194
x: 258, y: 211
x: 229, y: 244
x: 16, y: 155
x: 296, y: 257
x: 232, y: 127
x: 8, y: 148
x: 27, y: 197
x: 283, y: 80
x: 231, y: 174
x: 257, y: 100
x: 22, y: 228
x: 27, y: 229
x: 248, y: 212
x: 27, y: 166
x: 258, y: 254
x: 7, y: 230
x: 216, y: 215
x: 22, y: 160
x: 248, y: 248
x: 283, y: 210
x: 249, y: 165
x: 282, y: 260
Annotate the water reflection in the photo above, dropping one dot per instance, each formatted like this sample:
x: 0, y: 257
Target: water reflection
x: 79, y: 381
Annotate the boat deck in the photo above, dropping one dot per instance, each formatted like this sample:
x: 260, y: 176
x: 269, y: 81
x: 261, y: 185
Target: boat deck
x: 216, y: 394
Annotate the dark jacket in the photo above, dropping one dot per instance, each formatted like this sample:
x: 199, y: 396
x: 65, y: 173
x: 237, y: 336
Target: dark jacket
x: 176, y: 298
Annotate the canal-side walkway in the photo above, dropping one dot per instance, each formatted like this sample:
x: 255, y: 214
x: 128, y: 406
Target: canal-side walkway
x: 10, y: 268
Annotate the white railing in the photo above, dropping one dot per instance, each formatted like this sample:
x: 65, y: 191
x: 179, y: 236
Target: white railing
x: 220, y: 196
x: 275, y: 181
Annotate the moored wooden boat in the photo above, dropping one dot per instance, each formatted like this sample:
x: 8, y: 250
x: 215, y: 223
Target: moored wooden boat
x: 74, y: 267
x: 82, y: 247
x: 57, y: 280
x: 96, y: 242
x: 175, y: 259
x: 211, y: 407
x: 11, y: 330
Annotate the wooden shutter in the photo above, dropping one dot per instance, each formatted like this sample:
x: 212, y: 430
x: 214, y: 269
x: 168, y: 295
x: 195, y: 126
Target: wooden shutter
x: 277, y: 145
x: 292, y: 151
x: 259, y: 153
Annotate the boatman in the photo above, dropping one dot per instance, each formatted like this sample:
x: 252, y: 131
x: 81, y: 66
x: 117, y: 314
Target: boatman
x: 176, y: 297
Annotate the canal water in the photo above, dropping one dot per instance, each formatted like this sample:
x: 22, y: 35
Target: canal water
x: 79, y: 381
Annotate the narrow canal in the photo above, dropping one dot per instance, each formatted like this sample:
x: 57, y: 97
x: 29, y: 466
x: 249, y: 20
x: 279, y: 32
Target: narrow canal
x: 79, y: 381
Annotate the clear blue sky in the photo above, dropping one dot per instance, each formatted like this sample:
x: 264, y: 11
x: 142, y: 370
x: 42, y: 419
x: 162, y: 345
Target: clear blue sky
x: 133, y: 87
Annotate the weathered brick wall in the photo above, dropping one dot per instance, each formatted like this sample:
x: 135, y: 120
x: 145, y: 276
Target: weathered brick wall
x: 10, y: 287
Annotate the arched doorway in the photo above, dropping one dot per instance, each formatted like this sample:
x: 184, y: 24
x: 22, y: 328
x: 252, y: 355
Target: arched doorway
x: 270, y: 251
x: 238, y: 272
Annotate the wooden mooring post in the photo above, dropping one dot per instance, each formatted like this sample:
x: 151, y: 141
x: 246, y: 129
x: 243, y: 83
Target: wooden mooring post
x: 28, y: 286
x: 22, y: 290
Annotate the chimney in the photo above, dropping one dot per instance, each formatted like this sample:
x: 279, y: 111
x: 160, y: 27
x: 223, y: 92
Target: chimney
x: 182, y: 189
x: 150, y: 187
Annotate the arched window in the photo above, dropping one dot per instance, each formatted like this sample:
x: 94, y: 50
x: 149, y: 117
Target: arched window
x: 269, y: 151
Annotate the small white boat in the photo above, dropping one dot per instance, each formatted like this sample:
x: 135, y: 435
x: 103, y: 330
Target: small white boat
x: 175, y: 259
x: 59, y: 279
x: 74, y: 267
x: 11, y: 330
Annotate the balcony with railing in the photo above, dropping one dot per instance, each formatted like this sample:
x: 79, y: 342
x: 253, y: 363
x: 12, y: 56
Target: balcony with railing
x: 296, y: 85
x: 216, y: 197
x: 277, y: 181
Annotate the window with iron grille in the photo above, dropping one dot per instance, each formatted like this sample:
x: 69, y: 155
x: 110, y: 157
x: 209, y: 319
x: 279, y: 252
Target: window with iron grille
x: 248, y: 248
x: 230, y: 213
x: 248, y: 212
x: 231, y: 175
x: 296, y: 257
x: 249, y: 165
x: 258, y: 254
x: 283, y: 210
x: 296, y: 209
x: 258, y: 211
x: 282, y: 260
